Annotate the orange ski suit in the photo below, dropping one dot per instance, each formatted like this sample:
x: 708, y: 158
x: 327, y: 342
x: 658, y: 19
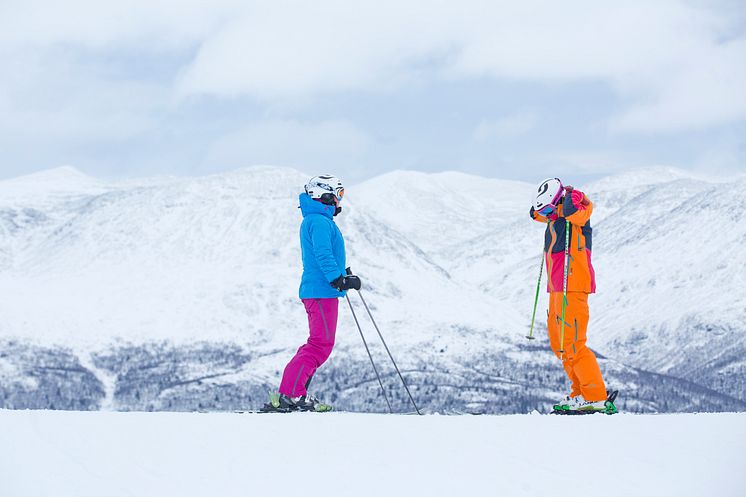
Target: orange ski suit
x: 578, y: 360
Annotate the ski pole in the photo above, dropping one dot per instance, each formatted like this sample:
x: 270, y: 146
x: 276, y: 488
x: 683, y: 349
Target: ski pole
x: 530, y: 335
x: 389, y: 353
x: 564, y: 288
x: 383, y: 391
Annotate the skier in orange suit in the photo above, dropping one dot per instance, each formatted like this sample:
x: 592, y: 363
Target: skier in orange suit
x: 554, y: 206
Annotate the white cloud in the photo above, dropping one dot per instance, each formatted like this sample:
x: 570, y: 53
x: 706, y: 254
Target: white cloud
x: 664, y: 59
x: 157, y: 24
x: 588, y: 161
x: 329, y: 144
x: 706, y: 89
x: 56, y: 97
x: 673, y: 65
x: 723, y: 156
x: 301, y: 48
x: 506, y: 127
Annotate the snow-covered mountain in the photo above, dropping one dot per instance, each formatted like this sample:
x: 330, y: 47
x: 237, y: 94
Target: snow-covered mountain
x: 181, y: 293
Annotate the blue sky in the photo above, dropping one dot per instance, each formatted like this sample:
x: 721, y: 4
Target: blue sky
x: 518, y: 90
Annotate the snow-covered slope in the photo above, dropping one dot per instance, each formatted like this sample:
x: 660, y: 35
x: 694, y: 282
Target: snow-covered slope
x: 66, y: 454
x: 181, y: 293
x: 442, y: 210
x: 50, y: 186
x: 210, y: 258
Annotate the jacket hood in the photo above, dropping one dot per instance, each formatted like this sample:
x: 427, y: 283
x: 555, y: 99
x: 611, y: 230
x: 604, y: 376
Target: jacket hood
x: 309, y: 206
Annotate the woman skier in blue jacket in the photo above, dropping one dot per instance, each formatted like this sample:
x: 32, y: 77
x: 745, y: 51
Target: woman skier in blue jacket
x: 322, y: 283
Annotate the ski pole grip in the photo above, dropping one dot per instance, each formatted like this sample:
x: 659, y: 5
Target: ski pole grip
x: 349, y: 271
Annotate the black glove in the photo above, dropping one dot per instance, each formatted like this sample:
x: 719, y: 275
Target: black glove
x: 343, y: 283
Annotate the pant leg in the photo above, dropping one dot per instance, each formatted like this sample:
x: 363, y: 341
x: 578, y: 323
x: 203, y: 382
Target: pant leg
x: 322, y: 325
x: 554, y: 319
x: 578, y: 360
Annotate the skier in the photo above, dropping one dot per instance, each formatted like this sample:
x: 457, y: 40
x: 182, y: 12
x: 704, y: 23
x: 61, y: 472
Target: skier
x: 323, y: 282
x: 555, y: 205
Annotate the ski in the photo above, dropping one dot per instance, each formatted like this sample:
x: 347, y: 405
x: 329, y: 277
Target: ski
x: 265, y: 410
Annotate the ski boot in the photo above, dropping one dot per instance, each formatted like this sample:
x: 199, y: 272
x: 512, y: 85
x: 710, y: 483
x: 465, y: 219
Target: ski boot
x: 578, y: 405
x: 586, y: 406
x: 279, y: 402
x: 564, y: 404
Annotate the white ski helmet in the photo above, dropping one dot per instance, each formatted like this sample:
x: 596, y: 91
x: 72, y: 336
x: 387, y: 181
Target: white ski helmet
x: 548, y: 195
x: 326, y: 188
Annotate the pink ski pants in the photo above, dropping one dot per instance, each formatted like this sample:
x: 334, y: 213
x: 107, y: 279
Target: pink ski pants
x: 322, y: 324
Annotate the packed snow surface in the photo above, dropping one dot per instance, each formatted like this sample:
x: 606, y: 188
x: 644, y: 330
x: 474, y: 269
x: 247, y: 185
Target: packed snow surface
x: 106, y: 454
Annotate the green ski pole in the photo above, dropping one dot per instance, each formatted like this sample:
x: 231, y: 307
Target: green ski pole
x: 564, y: 288
x: 530, y: 335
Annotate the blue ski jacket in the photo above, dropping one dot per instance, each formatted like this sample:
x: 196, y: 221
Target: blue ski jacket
x: 322, y: 248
